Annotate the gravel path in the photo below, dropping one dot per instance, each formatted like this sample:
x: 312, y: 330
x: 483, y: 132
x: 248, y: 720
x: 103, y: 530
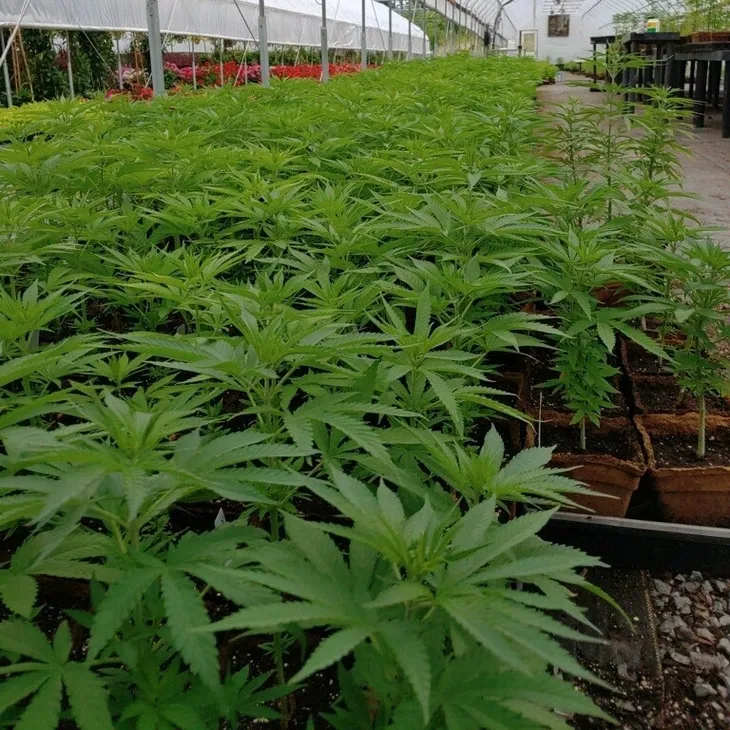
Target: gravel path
x: 693, y: 626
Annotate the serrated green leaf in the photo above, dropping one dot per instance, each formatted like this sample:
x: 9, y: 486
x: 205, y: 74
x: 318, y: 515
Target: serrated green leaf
x: 403, y: 592
x: 331, y: 650
x: 19, y: 637
x: 18, y: 593
x: 276, y: 616
x: 391, y: 507
x: 607, y: 335
x: 411, y: 653
x: 15, y: 689
x: 185, y: 612
x: 87, y: 696
x: 44, y: 710
x: 447, y: 398
x: 118, y: 604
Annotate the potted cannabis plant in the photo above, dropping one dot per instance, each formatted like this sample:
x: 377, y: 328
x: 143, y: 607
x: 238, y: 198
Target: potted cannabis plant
x: 689, y: 451
x: 589, y: 424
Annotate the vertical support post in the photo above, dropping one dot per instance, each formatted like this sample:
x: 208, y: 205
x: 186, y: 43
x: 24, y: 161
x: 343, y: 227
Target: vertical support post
x: 390, y: 30
x: 435, y: 34
x: 425, y: 30
x: 670, y: 66
x: 195, y: 65
x: 263, y: 46
x: 155, y: 41
x: 410, y: 38
x: 120, y: 73
x: 534, y: 24
x: 6, y: 73
x: 633, y: 77
x: 454, y: 30
x: 692, y: 74
x: 714, y: 86
x: 69, y: 66
x: 220, y: 64
x: 363, y: 41
x: 700, y: 94
x: 595, y: 65
x: 680, y: 75
x: 726, y: 103
x: 325, y: 48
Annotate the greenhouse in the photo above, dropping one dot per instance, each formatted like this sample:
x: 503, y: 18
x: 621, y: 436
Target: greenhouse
x: 364, y: 365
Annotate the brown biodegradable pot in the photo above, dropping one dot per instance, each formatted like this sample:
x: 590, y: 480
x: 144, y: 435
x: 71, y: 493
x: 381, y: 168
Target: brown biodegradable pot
x: 614, y: 470
x: 692, y: 493
x: 662, y: 394
x: 611, y: 294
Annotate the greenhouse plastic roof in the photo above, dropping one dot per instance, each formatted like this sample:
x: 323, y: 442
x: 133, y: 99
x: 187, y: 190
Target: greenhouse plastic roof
x: 289, y: 22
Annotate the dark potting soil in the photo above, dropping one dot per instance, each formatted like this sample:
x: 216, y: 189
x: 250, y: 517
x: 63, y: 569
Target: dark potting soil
x: 316, y: 697
x: 552, y: 401
x: 510, y: 432
x: 681, y: 449
x: 665, y: 396
x: 643, y: 362
x: 621, y: 444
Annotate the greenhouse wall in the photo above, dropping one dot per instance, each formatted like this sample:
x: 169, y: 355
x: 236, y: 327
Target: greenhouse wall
x: 577, y: 44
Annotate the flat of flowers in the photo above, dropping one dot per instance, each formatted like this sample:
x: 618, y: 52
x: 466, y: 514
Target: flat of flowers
x: 690, y: 491
x: 612, y: 465
x: 662, y: 394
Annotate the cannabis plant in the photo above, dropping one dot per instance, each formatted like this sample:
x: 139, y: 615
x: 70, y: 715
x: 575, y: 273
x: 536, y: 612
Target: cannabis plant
x: 702, y: 276
x: 409, y: 602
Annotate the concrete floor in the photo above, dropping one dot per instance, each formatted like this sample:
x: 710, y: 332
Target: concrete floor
x: 706, y: 166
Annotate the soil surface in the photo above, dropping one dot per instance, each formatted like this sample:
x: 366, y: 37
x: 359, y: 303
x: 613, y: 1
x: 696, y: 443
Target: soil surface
x: 665, y: 396
x: 621, y: 444
x: 554, y: 401
x: 680, y: 449
x: 643, y: 362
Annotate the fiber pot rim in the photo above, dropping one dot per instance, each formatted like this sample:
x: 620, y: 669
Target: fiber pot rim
x: 637, y: 467
x: 637, y: 379
x: 687, y: 423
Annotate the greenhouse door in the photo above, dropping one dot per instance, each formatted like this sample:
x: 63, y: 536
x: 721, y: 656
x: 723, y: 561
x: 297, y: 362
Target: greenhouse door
x: 528, y: 41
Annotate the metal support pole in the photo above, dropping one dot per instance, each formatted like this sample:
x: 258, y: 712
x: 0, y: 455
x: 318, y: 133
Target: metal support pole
x: 453, y: 29
x: 363, y: 41
x: 263, y: 45
x: 534, y: 24
x: 424, y: 29
x: 325, y: 49
x: 390, y: 30
x: 6, y: 73
x: 120, y: 72
x: 155, y: 41
x: 195, y: 65
x: 726, y: 102
x: 434, y: 38
x: 410, y: 35
x: 700, y: 93
x: 69, y: 66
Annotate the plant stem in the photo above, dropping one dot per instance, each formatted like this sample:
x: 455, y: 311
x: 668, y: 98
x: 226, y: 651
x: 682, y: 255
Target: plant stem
x: 278, y: 647
x: 583, y: 434
x: 701, y: 437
